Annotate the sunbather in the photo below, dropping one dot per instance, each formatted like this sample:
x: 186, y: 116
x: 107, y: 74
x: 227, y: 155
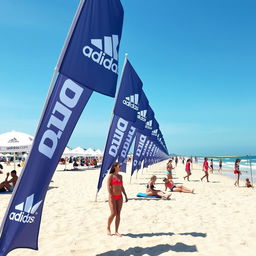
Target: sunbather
x: 170, y: 184
x: 8, y: 185
x: 151, y: 191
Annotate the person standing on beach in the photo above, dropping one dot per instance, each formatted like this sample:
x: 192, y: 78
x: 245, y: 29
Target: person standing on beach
x: 187, y: 169
x: 169, y: 169
x: 237, y: 172
x: 176, y: 161
x: 211, y: 165
x: 220, y: 165
x: 205, y: 169
x: 115, y: 190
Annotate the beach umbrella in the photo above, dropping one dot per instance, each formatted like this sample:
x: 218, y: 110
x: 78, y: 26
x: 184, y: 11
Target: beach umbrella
x: 13, y: 142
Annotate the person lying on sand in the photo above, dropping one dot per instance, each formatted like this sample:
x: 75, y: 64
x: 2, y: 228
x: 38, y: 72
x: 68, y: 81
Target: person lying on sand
x: 151, y: 191
x: 170, y: 184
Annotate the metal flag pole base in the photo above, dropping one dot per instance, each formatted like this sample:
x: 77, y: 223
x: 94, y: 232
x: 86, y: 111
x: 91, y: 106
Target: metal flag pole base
x: 96, y: 196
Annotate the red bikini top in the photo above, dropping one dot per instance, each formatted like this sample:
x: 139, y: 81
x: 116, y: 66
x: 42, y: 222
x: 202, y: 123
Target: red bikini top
x: 116, y: 181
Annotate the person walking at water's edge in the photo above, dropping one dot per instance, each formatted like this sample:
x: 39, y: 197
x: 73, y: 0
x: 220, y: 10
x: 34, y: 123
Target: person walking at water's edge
x: 187, y: 169
x: 205, y: 169
x: 237, y: 172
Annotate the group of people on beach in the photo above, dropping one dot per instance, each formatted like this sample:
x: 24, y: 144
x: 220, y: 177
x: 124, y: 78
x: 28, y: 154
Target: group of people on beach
x: 237, y: 171
x: 116, y: 189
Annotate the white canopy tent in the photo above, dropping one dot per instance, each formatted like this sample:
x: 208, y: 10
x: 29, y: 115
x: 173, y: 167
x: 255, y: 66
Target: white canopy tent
x: 67, y: 152
x: 90, y: 152
x: 98, y: 153
x: 78, y: 151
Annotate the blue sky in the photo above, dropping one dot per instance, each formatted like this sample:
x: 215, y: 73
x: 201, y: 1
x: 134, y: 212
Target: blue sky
x: 197, y: 60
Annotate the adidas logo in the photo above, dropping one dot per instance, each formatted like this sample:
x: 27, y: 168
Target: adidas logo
x: 14, y: 140
x: 142, y: 115
x: 132, y: 101
x: 149, y: 125
x: 110, y: 48
x: 24, y: 208
x: 154, y: 133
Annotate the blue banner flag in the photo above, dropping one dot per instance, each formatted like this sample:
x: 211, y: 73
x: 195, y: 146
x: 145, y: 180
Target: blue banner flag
x: 90, y: 63
x: 139, y: 124
x: 125, y: 113
x: 92, y: 54
x: 128, y: 140
x: 118, y: 128
x: 143, y: 155
x: 142, y: 112
x: 22, y: 221
x: 146, y: 156
x: 128, y: 99
x: 140, y: 142
x: 149, y: 123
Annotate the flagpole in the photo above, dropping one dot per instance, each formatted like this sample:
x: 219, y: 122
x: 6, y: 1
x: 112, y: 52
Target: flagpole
x: 56, y: 70
x: 125, y: 61
x: 251, y: 169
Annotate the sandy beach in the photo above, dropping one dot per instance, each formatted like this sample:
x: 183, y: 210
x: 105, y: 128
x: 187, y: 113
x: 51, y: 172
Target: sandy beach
x: 219, y: 219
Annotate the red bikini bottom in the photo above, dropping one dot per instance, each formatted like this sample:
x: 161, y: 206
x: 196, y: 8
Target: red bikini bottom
x: 116, y: 197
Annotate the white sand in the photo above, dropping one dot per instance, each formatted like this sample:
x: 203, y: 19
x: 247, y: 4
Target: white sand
x: 218, y: 220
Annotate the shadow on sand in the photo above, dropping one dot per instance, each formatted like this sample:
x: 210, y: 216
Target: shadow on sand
x: 194, y: 234
x: 52, y: 187
x: 151, y: 251
x: 148, y: 234
x: 149, y: 199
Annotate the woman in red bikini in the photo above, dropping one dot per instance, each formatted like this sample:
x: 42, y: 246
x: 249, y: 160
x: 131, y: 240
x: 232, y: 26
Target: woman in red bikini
x: 188, y: 169
x: 115, y: 190
x: 170, y: 184
x: 237, y: 172
x: 205, y: 169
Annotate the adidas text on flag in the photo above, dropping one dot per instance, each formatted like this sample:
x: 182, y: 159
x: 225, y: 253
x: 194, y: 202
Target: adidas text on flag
x: 110, y: 48
x: 132, y: 101
x: 25, y: 211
